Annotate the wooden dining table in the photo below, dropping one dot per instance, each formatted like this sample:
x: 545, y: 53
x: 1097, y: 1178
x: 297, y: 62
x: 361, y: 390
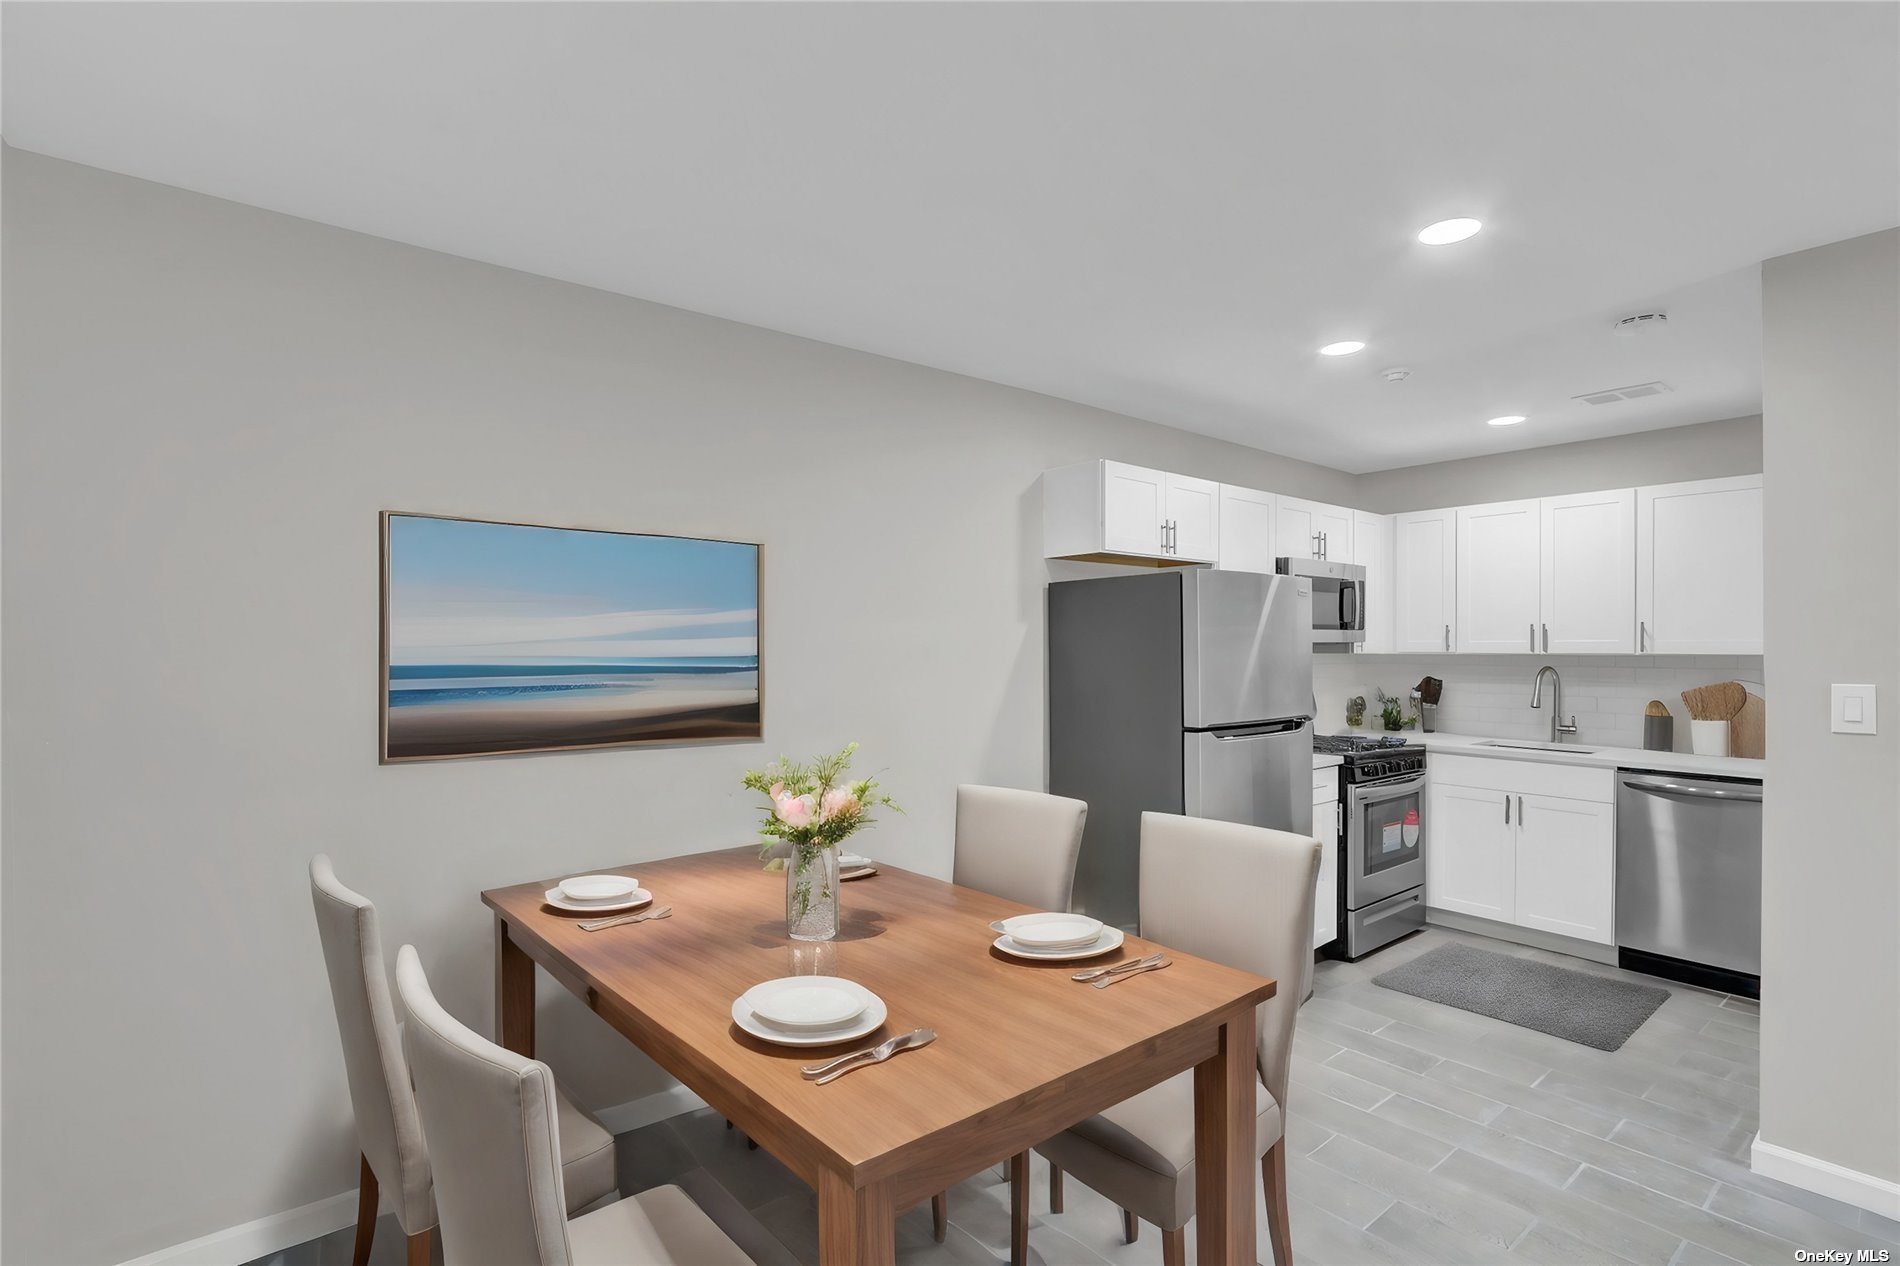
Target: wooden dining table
x: 1022, y: 1051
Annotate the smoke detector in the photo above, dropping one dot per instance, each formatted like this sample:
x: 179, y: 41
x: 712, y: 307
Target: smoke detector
x: 1397, y: 373
x: 1640, y: 323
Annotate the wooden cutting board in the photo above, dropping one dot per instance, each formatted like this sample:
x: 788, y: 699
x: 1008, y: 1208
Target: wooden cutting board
x: 1747, y: 730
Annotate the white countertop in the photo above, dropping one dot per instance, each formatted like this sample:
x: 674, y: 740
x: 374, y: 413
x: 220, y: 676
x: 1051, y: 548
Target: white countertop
x: 1326, y: 760
x: 1592, y: 754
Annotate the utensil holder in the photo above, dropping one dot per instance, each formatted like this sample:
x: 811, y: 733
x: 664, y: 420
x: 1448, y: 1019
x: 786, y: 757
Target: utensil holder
x: 1659, y: 734
x: 1708, y: 738
x: 1428, y: 718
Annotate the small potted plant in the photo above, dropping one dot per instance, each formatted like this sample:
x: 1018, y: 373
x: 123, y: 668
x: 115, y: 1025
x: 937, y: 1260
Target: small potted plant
x: 1392, y: 712
x: 813, y: 809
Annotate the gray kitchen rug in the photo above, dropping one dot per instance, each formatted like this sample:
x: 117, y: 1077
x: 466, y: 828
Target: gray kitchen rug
x: 1588, y: 1009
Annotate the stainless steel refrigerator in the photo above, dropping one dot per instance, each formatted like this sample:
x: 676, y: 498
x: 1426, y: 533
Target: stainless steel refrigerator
x: 1180, y: 692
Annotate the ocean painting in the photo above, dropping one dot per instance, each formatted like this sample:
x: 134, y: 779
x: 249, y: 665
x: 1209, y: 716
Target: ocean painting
x: 503, y: 637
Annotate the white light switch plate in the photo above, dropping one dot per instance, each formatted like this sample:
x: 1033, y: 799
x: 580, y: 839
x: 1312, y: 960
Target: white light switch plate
x: 1853, y: 711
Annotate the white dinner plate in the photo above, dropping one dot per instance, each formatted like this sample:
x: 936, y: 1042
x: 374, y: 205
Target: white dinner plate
x: 807, y: 1004
x: 598, y: 889
x: 1053, y: 930
x: 555, y: 898
x: 1110, y: 939
x: 867, y: 1022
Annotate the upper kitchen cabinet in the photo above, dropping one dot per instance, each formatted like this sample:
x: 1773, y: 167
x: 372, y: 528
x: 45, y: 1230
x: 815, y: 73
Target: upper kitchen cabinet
x: 1498, y: 561
x: 1588, y: 603
x: 1699, y: 567
x: 1246, y: 529
x: 1372, y: 550
x: 1424, y: 574
x: 1312, y: 529
x: 1111, y: 512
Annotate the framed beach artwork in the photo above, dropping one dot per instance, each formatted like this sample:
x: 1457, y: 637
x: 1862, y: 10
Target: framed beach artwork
x: 505, y: 637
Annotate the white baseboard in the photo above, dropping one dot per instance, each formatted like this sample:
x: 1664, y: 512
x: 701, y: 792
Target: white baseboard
x: 674, y: 1101
x: 1825, y: 1178
x: 236, y: 1245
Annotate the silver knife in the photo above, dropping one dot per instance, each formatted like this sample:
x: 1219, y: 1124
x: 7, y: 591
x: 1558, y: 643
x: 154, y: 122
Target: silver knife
x: 1106, y: 981
x: 1117, y: 969
x: 831, y: 1070
x: 595, y: 925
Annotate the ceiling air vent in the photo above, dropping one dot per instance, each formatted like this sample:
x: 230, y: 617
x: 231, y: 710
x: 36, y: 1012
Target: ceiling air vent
x: 1615, y: 394
x: 1640, y: 323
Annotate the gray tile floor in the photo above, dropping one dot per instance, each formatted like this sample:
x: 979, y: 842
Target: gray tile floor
x: 1420, y: 1134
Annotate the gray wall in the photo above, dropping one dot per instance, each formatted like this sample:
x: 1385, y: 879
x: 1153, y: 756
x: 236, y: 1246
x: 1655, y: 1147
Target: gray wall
x: 206, y: 405
x: 1707, y: 450
x: 1830, y: 1040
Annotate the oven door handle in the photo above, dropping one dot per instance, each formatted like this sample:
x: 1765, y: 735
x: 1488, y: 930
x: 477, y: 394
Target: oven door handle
x: 1362, y: 793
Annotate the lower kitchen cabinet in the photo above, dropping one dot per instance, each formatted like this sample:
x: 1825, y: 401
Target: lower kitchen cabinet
x: 1326, y: 830
x: 1566, y: 867
x: 1532, y: 845
x: 1470, y: 859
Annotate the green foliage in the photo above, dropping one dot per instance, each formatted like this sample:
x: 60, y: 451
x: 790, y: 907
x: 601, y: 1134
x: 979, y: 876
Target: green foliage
x: 815, y: 806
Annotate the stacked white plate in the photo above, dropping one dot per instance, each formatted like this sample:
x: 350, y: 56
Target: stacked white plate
x: 1056, y: 937
x: 808, y: 1010
x: 597, y: 894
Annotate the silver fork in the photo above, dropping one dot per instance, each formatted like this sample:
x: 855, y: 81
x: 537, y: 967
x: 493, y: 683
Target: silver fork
x: 1117, y: 969
x: 1106, y: 981
x: 595, y: 925
x: 832, y: 1069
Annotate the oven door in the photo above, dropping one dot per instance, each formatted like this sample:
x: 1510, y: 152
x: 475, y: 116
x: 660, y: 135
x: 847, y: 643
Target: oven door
x: 1384, y: 856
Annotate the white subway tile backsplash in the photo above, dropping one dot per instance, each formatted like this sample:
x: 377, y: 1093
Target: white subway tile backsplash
x: 1490, y: 694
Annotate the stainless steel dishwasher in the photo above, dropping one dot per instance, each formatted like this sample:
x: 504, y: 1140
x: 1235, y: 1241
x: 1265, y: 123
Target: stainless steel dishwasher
x: 1688, y: 878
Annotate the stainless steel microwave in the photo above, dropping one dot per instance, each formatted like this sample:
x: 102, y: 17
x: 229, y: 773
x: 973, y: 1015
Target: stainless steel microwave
x: 1339, y: 599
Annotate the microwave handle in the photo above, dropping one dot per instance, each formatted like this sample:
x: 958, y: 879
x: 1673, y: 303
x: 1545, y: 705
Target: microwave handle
x: 1349, y: 605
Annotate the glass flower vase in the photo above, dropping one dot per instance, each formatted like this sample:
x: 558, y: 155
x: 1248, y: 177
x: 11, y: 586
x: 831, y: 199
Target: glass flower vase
x: 811, y: 893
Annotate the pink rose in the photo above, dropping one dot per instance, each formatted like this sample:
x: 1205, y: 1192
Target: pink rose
x: 778, y: 789
x: 839, y: 803
x: 794, y: 811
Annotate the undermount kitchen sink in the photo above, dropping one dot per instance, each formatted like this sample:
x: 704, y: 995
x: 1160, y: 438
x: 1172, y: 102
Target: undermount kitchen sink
x: 1538, y: 747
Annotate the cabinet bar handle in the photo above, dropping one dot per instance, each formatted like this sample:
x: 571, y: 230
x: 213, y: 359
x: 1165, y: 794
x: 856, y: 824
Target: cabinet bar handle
x: 1520, y: 810
x: 1533, y: 636
x: 1642, y: 635
x: 1448, y: 637
x: 1546, y: 639
x: 1507, y: 811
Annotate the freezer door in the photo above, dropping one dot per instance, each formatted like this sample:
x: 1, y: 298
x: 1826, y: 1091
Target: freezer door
x: 1246, y: 648
x: 1261, y: 775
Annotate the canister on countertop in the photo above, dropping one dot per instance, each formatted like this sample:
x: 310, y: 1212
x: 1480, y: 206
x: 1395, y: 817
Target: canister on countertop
x: 1659, y: 728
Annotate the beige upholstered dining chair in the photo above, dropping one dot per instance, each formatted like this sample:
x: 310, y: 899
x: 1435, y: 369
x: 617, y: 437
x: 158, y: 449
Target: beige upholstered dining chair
x: 1020, y: 845
x: 1235, y: 894
x: 392, y: 1140
x: 495, y: 1127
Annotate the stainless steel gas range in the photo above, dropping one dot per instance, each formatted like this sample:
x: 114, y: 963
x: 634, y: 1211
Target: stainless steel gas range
x: 1381, y: 840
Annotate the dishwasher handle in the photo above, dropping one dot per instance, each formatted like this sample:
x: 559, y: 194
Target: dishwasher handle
x: 1738, y: 793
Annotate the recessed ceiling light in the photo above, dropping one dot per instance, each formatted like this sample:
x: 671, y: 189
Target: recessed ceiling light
x: 1509, y: 419
x: 1346, y: 348
x: 1445, y: 232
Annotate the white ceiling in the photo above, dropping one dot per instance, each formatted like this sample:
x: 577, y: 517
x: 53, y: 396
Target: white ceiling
x: 1161, y: 209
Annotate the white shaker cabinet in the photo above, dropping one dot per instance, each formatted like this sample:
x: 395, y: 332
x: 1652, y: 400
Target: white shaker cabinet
x: 1699, y: 567
x: 1424, y: 573
x: 1313, y: 529
x: 1588, y: 604
x: 1372, y: 550
x: 1246, y: 530
x: 1471, y: 857
x: 1566, y: 867
x: 1193, y: 518
x: 1498, y: 583
x: 1326, y: 830
x: 1111, y: 511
